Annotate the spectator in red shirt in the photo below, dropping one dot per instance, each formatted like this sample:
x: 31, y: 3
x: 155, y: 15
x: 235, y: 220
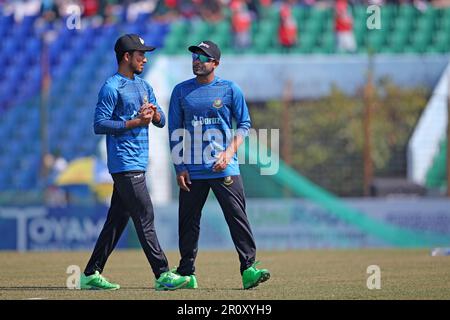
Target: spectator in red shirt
x: 345, y: 39
x: 287, y: 31
x: 241, y: 21
x: 91, y: 7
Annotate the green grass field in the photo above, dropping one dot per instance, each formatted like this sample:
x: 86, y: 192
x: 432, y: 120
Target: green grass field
x: 303, y: 274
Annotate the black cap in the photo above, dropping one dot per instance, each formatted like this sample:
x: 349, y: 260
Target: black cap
x: 131, y: 42
x: 209, y: 48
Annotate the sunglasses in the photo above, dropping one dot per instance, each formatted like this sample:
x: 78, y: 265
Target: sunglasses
x: 201, y: 58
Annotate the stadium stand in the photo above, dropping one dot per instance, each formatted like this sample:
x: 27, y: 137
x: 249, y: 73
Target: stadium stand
x: 403, y: 29
x: 80, y: 60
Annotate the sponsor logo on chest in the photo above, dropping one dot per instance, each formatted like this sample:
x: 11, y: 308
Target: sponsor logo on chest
x: 217, y: 103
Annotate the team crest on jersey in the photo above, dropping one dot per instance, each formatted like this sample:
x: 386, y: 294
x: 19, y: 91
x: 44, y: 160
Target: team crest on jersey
x: 228, y: 181
x: 218, y: 103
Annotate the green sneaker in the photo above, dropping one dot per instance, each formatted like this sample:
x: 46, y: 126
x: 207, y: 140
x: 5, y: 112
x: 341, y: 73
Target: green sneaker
x: 192, y: 284
x: 96, y: 282
x: 170, y: 281
x: 253, y: 277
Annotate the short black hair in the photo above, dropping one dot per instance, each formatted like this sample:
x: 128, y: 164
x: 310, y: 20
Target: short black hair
x: 119, y: 55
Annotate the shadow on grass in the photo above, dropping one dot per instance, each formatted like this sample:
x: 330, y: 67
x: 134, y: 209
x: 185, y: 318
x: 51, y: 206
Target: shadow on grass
x: 31, y: 288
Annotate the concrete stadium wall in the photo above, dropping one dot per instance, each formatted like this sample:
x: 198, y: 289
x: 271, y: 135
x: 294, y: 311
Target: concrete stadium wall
x: 265, y: 77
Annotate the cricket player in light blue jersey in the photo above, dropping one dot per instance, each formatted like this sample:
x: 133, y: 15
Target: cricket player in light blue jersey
x: 126, y: 107
x: 205, y: 157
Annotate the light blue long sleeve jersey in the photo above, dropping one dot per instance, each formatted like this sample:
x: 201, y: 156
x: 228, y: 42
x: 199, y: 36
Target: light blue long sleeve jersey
x: 205, y: 112
x: 119, y: 100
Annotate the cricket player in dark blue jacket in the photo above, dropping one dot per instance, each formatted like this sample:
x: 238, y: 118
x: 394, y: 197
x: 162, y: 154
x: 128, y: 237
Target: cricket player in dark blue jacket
x: 204, y: 150
x: 126, y: 107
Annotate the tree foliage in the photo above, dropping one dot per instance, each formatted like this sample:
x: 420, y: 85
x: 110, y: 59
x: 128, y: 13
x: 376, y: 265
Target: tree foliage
x: 327, y: 135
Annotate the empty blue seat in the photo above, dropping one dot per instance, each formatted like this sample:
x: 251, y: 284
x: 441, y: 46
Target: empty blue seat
x: 110, y: 32
x: 55, y: 50
x: 8, y: 90
x: 7, y: 21
x: 81, y: 60
x: 34, y: 46
x: 20, y: 32
x: 133, y: 28
x: 143, y: 18
x: 22, y: 181
x: 41, y: 28
x: 9, y: 47
x: 28, y: 21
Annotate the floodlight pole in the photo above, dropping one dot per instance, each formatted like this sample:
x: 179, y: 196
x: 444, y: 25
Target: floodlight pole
x: 367, y: 123
x: 43, y: 114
